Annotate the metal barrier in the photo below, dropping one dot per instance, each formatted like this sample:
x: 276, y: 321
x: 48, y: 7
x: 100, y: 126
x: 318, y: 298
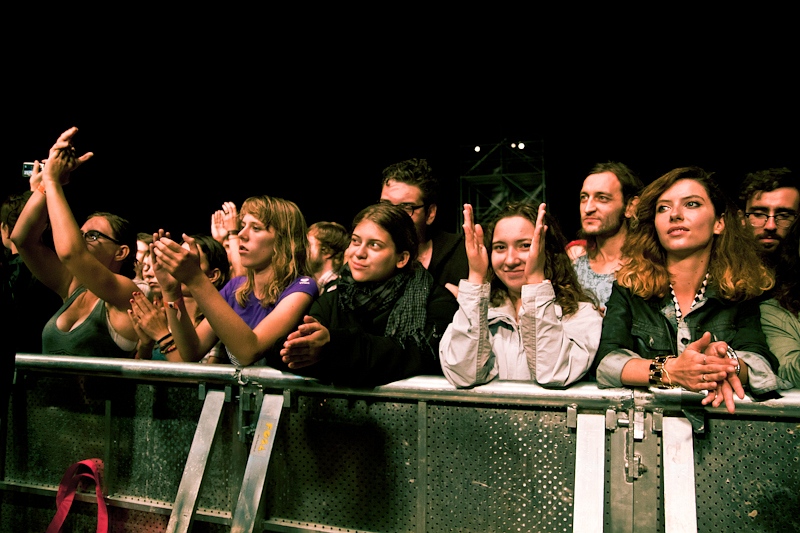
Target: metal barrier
x: 214, y: 448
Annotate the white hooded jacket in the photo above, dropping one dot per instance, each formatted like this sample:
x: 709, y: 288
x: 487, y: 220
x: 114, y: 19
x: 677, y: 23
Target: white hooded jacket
x: 482, y: 342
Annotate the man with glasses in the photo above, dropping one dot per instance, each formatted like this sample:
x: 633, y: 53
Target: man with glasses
x: 411, y: 185
x: 771, y: 201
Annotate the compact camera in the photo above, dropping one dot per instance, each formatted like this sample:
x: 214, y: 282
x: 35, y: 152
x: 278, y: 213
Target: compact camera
x: 27, y: 170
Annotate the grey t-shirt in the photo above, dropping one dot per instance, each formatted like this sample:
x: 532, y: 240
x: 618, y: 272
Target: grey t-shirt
x: 599, y: 284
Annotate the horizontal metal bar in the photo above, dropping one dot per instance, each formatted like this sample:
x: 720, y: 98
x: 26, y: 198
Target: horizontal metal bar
x: 585, y: 395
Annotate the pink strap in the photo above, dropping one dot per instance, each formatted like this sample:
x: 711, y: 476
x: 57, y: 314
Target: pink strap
x: 66, y: 494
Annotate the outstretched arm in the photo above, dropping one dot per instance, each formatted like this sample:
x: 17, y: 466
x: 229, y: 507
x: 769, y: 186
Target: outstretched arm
x: 70, y: 246
x: 27, y: 237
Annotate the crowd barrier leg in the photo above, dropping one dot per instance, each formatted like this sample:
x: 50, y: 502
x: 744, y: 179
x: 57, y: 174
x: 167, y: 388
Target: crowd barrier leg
x: 680, y: 513
x: 247, y: 506
x: 590, y: 461
x: 180, y: 520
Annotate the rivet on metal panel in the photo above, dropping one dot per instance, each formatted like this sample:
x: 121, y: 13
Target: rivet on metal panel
x: 287, y: 398
x: 572, y: 416
x: 638, y: 423
x: 639, y: 468
x: 658, y: 420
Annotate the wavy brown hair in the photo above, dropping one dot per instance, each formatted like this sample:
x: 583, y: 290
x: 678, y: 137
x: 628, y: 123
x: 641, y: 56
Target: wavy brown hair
x: 289, y: 261
x: 735, y: 266
x: 557, y: 266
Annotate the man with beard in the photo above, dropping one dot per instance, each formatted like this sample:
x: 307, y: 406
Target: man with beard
x: 608, y: 202
x: 771, y: 200
x: 327, y: 242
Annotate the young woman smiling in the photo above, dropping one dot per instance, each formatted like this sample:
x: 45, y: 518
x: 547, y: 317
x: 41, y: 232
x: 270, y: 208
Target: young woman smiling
x: 384, y: 319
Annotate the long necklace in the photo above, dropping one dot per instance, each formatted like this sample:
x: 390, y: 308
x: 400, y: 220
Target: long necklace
x: 697, y: 297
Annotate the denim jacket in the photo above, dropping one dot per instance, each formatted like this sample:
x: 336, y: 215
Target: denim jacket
x: 635, y: 327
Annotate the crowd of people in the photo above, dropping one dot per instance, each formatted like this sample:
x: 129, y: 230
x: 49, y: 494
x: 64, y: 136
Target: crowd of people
x: 669, y: 284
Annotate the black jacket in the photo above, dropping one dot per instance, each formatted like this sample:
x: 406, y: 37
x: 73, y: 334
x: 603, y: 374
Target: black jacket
x: 360, y: 355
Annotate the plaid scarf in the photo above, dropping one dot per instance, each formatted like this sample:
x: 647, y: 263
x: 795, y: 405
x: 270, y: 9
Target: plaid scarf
x: 406, y: 293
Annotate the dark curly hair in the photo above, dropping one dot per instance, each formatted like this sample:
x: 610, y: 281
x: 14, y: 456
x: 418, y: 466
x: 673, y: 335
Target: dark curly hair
x: 766, y: 181
x: 415, y: 172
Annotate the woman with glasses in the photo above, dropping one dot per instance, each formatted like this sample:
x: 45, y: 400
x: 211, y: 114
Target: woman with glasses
x: 522, y: 314
x: 253, y: 311
x: 780, y: 315
x: 383, y: 320
x: 684, y: 309
x: 91, y: 268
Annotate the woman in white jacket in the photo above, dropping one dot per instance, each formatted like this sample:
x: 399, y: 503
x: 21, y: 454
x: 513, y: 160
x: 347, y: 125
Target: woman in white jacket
x: 522, y: 312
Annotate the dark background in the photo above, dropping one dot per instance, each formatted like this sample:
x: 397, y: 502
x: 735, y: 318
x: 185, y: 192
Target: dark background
x: 171, y: 167
x: 179, y: 126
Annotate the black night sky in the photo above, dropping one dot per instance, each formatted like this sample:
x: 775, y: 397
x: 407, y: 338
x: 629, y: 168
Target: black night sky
x: 171, y: 146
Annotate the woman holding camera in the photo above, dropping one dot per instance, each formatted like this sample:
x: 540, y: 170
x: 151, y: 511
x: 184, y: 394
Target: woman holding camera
x: 91, y: 267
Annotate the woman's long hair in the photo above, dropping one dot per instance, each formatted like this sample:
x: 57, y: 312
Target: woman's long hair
x: 557, y: 266
x: 289, y: 261
x: 735, y: 266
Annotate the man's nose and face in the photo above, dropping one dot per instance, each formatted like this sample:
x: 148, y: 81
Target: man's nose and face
x: 770, y: 215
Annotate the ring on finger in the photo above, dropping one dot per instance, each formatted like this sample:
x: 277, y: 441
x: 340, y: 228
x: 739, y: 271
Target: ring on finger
x: 703, y: 377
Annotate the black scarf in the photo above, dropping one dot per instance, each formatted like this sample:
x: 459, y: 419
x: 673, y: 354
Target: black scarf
x: 406, y: 293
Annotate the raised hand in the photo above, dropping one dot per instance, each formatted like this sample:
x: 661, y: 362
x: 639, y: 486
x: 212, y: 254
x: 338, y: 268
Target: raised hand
x: 180, y: 263
x: 534, y: 265
x: 148, y: 317
x: 63, y: 159
x: 230, y: 217
x: 303, y: 347
x: 218, y: 230
x: 477, y: 256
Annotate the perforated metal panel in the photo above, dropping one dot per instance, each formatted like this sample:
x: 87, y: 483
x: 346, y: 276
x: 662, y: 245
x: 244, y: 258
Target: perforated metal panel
x: 748, y: 475
x: 349, y: 464
x: 493, y: 470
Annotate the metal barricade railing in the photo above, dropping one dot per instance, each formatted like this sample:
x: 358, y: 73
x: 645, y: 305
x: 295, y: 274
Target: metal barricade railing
x: 216, y: 448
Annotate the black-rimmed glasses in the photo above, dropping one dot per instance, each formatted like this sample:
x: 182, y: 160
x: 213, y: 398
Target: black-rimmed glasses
x: 408, y: 208
x: 782, y: 220
x: 92, y: 235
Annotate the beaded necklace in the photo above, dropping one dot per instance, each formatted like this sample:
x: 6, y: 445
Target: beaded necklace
x: 697, y: 297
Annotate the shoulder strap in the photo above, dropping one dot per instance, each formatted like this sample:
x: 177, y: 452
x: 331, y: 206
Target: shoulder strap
x: 66, y: 494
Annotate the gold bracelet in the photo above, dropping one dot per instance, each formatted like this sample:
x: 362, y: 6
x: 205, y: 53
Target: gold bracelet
x: 658, y: 371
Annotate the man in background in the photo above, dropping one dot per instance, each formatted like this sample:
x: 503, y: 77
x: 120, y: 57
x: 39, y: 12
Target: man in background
x: 608, y: 203
x: 411, y: 185
x: 771, y: 200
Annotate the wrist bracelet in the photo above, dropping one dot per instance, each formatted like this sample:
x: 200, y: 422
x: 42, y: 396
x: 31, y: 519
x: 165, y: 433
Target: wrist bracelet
x: 732, y: 355
x: 233, y: 232
x: 658, y: 371
x: 41, y: 189
x: 174, y: 305
x: 165, y: 337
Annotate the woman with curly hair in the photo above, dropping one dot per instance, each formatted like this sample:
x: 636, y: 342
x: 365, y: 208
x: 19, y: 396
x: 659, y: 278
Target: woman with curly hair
x: 522, y: 312
x: 780, y: 315
x: 251, y: 312
x: 683, y: 311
